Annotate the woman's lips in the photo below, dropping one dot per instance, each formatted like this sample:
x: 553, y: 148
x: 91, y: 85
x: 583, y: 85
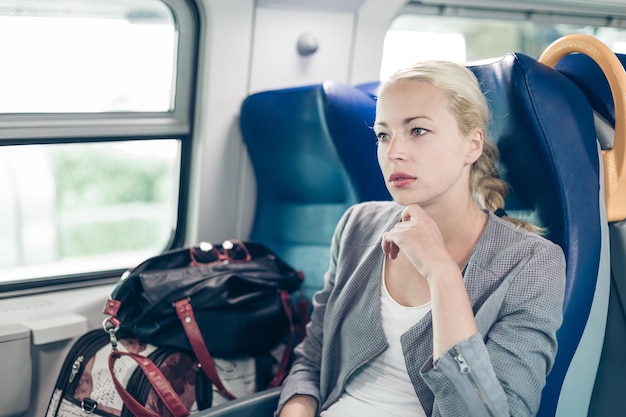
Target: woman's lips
x: 400, y: 179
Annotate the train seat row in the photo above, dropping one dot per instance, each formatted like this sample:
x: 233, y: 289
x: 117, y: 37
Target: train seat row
x: 314, y: 154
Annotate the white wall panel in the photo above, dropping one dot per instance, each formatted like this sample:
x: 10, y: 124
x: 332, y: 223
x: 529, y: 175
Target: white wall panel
x: 275, y: 60
x: 374, y: 18
x: 219, y: 159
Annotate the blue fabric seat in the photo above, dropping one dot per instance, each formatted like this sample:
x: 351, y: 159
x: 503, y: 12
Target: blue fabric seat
x: 608, y: 396
x: 369, y: 88
x: 543, y: 126
x: 314, y: 154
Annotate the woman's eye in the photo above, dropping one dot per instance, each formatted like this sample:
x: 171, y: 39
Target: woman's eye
x: 418, y: 131
x: 381, y: 137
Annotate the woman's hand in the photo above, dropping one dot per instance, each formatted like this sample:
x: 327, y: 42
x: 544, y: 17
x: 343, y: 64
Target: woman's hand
x: 300, y: 406
x: 419, y: 238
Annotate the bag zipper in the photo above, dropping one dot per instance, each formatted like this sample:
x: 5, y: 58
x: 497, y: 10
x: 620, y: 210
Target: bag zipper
x: 467, y: 370
x: 82, y: 350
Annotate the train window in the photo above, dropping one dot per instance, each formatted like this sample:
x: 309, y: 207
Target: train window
x: 463, y: 34
x: 118, y: 58
x: 95, y: 132
x: 71, y: 208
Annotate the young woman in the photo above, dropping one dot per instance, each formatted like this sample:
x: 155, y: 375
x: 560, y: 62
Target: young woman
x: 432, y: 304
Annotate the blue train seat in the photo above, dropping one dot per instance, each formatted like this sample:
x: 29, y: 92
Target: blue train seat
x: 543, y: 126
x: 314, y: 154
x: 369, y: 88
x: 608, y: 396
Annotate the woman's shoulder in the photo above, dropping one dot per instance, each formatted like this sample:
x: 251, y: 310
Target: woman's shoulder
x: 503, y: 239
x: 536, y: 263
x: 510, y: 231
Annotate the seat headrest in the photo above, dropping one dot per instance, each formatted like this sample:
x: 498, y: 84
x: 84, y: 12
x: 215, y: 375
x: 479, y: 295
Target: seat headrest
x: 369, y: 88
x: 289, y: 144
x: 350, y: 114
x: 588, y: 76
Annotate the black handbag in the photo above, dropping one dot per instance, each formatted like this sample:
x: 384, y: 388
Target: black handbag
x: 228, y: 300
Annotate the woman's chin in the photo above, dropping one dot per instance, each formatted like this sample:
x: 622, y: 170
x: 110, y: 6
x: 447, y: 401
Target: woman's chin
x: 406, y: 201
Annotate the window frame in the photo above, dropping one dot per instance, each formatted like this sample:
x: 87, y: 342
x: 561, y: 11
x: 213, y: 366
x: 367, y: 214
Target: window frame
x: 53, y: 128
x: 535, y: 10
x: 535, y: 14
x: 18, y: 127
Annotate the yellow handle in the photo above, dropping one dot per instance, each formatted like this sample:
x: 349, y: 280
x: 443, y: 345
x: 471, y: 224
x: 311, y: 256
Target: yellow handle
x: 614, y: 159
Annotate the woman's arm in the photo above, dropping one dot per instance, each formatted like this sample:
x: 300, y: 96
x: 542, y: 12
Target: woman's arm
x: 504, y: 373
x: 419, y: 237
x: 300, y: 406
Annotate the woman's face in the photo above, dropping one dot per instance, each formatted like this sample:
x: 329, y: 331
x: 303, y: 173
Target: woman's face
x: 423, y: 156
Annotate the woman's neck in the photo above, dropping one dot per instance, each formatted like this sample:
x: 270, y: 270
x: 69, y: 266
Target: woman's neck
x: 461, y: 228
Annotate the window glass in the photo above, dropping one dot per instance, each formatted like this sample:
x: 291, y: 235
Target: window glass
x: 423, y: 34
x: 71, y: 208
x: 96, y: 98
x: 86, y: 56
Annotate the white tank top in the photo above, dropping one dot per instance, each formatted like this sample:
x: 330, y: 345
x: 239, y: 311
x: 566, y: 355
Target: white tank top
x: 383, y: 387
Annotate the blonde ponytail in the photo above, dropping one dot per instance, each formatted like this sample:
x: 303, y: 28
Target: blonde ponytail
x: 489, y: 191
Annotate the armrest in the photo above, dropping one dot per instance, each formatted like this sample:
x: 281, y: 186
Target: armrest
x: 259, y: 404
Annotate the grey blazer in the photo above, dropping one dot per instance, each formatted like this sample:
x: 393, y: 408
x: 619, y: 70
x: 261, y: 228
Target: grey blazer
x: 515, y: 281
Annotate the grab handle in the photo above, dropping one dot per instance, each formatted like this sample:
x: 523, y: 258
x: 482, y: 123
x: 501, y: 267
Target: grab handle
x: 615, y: 158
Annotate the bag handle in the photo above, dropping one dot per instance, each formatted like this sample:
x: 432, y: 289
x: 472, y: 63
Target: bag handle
x: 282, y: 368
x: 158, y: 381
x: 188, y: 320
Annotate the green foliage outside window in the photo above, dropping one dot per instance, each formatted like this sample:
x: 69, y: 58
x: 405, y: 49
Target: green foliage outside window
x: 110, y: 201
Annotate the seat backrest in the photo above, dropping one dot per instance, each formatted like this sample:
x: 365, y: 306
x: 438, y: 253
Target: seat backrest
x: 608, y: 395
x: 314, y: 154
x: 543, y: 127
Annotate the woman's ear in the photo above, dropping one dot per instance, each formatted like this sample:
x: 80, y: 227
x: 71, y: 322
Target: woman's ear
x: 475, y: 145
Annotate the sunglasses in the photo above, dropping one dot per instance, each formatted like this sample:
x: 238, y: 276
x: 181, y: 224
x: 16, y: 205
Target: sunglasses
x: 229, y: 251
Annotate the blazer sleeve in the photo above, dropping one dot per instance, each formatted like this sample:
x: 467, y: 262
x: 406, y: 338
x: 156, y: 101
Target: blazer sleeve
x: 304, y: 374
x: 503, y: 372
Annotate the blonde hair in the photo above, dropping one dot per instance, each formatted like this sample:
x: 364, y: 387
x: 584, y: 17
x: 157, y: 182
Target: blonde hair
x: 469, y: 107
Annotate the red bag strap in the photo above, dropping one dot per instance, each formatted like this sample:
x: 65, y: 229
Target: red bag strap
x: 186, y: 316
x: 158, y: 381
x: 282, y: 368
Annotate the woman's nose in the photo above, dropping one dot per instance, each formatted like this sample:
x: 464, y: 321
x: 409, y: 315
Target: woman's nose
x: 396, y: 148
